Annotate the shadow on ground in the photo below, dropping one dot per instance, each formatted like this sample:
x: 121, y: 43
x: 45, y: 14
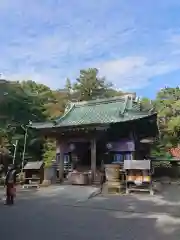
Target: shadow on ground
x: 168, y: 201
x: 47, y: 218
x: 56, y: 213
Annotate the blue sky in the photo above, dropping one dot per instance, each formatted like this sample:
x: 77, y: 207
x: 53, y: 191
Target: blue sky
x: 135, y: 44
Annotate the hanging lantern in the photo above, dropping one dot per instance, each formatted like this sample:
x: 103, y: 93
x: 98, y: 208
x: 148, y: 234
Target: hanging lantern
x: 130, y: 146
x: 109, y: 145
x: 72, y: 147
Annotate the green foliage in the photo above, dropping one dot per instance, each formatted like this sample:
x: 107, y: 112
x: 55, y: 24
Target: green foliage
x: 49, y: 152
x: 164, y: 164
x: 90, y: 86
x: 147, y: 104
x: 18, y: 107
x: 68, y: 85
x: 167, y: 105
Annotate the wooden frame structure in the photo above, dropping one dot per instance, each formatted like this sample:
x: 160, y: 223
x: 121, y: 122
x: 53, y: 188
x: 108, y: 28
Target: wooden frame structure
x: 34, y: 174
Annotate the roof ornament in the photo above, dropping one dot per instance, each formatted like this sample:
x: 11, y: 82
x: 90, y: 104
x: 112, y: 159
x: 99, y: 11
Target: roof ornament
x: 137, y: 99
x: 132, y: 97
x: 125, y: 105
x: 68, y: 106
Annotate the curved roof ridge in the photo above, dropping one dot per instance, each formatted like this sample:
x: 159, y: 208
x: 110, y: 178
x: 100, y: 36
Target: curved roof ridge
x: 65, y: 114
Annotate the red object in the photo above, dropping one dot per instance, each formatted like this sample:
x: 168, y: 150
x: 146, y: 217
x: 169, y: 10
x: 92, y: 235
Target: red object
x: 13, y: 191
x: 175, y: 152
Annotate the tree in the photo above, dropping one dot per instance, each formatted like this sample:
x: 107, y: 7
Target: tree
x: 167, y: 105
x: 147, y: 104
x: 90, y: 86
x: 52, y: 103
x: 49, y: 152
x: 18, y: 106
x: 68, y: 85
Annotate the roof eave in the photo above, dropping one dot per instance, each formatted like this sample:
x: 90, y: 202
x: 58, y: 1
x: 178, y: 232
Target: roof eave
x: 52, y: 125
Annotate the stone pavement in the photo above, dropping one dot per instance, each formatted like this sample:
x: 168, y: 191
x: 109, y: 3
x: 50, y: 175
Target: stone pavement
x: 67, y: 213
x: 68, y: 194
x: 49, y: 216
x: 166, y: 202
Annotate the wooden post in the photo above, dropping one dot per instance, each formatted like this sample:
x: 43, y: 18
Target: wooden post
x: 93, y: 158
x: 61, y: 162
x: 132, y: 138
x: 137, y: 143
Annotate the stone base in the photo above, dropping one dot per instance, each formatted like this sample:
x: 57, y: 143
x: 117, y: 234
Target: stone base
x: 78, y: 178
x: 113, y: 183
x: 113, y: 187
x: 46, y: 183
x: 157, y: 186
x: 165, y: 180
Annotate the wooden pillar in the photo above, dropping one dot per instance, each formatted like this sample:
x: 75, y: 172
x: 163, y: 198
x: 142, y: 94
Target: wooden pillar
x: 61, y: 161
x: 93, y: 158
x: 133, y: 138
x: 137, y: 144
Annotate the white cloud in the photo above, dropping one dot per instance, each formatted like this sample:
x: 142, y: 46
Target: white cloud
x: 30, y: 75
x: 48, y: 41
x: 76, y: 42
x: 174, y: 40
x: 134, y: 72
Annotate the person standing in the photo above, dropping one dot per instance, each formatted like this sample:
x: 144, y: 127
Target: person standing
x: 10, y: 182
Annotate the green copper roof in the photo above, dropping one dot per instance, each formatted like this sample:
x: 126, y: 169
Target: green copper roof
x: 102, y: 111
